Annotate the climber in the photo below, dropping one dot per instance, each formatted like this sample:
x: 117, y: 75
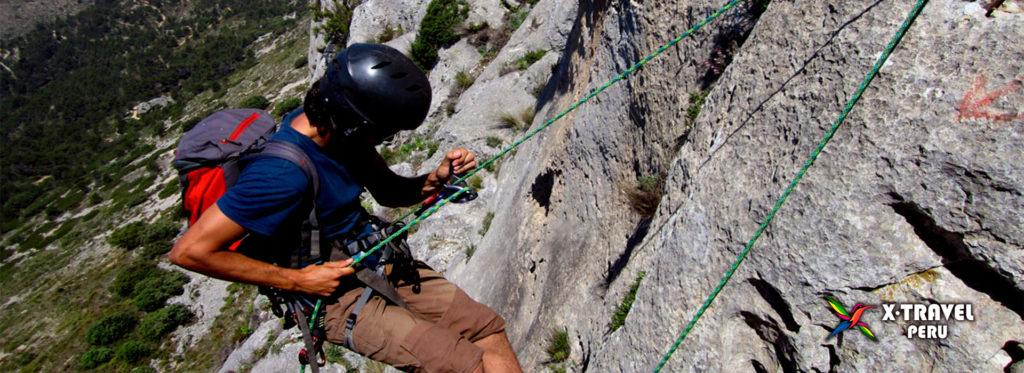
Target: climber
x: 369, y: 93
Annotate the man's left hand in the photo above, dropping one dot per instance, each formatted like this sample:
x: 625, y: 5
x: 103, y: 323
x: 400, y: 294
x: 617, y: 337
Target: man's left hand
x: 458, y: 160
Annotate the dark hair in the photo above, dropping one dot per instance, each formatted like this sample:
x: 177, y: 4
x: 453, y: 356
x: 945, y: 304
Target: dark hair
x: 317, y: 113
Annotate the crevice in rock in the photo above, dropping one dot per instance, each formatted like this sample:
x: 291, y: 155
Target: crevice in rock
x: 541, y: 188
x: 876, y: 287
x: 769, y: 332
x: 956, y: 257
x: 585, y: 362
x: 728, y: 41
x: 833, y: 359
x: 779, y: 304
x: 1016, y: 351
x: 639, y: 233
x: 758, y: 367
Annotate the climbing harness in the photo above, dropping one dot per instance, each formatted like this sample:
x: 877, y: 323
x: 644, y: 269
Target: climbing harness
x: 814, y: 155
x: 379, y: 272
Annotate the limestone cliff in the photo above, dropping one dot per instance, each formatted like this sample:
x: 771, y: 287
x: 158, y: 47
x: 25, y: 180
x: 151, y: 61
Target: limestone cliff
x: 917, y: 199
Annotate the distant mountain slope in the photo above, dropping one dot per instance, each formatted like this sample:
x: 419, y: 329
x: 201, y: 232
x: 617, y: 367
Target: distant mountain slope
x: 20, y: 16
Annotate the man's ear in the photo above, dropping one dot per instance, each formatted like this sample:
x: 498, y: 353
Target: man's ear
x: 322, y: 131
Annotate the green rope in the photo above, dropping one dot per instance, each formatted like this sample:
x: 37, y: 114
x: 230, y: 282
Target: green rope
x: 771, y: 215
x: 586, y: 98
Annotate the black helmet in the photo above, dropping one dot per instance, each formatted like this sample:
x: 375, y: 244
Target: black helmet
x: 380, y: 84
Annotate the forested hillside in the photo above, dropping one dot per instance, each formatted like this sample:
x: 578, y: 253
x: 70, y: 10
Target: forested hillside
x: 92, y: 108
x: 77, y: 79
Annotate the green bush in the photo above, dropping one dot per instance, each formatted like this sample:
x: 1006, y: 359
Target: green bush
x: 126, y: 280
x: 336, y: 25
x: 96, y: 357
x: 255, y: 102
x: 286, y: 106
x: 132, y: 352
x: 110, y: 328
x: 172, y: 187
x: 161, y: 230
x: 139, y: 233
x: 152, y: 292
x: 162, y: 322
x: 423, y: 54
x: 619, y: 318
x: 155, y: 249
x: 300, y: 62
x: 129, y: 236
x: 437, y: 29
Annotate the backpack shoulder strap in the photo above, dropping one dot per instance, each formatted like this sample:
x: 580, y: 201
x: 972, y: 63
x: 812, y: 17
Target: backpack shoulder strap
x: 292, y: 153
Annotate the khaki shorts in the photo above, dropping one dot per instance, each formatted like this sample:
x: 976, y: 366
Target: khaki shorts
x: 437, y: 336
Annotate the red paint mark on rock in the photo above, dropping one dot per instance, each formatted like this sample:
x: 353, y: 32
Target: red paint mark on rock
x: 976, y: 99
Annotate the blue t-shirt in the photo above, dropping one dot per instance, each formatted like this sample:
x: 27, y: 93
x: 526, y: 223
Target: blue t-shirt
x: 271, y: 194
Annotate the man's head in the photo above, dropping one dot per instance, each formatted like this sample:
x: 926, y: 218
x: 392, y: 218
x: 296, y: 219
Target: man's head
x: 370, y: 91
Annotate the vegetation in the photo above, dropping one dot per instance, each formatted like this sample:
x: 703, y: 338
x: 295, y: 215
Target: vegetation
x: 96, y: 357
x: 523, y: 62
x: 403, y: 152
x: 476, y: 182
x: 160, y: 323
x: 85, y: 187
x: 494, y: 141
x: 558, y: 346
x: 619, y: 318
x: 517, y: 123
x: 159, y: 286
x: 696, y: 103
x: 255, y: 102
x: 286, y: 106
x: 300, y: 62
x: 61, y: 83
x: 469, y: 250
x: 437, y: 29
x: 136, y: 234
x: 487, y: 223
x: 645, y: 195
x: 132, y: 352
x: 389, y: 33
x: 464, y: 80
x: 110, y: 329
x: 335, y: 26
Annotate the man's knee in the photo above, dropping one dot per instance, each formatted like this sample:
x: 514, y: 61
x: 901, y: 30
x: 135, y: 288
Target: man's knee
x: 471, y: 319
x: 438, y: 349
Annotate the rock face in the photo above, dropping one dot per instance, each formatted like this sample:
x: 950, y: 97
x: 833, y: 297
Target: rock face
x: 916, y: 200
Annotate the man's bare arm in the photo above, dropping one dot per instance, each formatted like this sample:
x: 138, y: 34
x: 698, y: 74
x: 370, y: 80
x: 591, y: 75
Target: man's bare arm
x: 203, y: 249
x: 393, y: 190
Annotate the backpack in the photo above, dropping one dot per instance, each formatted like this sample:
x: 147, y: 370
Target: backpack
x: 211, y: 155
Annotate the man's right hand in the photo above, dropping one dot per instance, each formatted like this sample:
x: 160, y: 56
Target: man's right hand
x: 323, y: 279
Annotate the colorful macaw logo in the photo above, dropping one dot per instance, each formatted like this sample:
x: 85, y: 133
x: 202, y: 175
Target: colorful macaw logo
x: 850, y: 319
